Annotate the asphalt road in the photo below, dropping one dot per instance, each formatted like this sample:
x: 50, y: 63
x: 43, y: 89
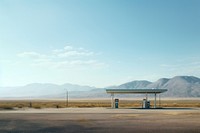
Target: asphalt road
x: 100, y: 120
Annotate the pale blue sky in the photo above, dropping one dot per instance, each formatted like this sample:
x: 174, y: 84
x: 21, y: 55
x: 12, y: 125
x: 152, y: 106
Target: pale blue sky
x: 97, y: 42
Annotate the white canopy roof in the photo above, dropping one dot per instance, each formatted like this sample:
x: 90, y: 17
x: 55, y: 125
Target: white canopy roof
x: 138, y: 91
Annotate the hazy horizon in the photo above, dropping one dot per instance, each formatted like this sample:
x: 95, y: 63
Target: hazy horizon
x: 97, y: 43
x: 97, y: 86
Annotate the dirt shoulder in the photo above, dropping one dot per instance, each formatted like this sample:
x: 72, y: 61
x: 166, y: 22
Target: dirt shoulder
x: 72, y: 120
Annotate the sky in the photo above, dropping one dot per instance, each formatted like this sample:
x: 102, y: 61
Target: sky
x: 97, y: 42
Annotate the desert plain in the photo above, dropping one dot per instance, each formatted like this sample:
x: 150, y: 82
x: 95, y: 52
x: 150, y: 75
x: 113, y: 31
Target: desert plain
x: 88, y: 119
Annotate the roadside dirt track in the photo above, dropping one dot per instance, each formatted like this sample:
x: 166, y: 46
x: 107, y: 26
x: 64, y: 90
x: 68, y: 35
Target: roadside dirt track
x: 74, y: 120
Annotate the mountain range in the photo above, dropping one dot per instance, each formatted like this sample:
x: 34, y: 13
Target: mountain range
x: 45, y: 90
x: 178, y: 86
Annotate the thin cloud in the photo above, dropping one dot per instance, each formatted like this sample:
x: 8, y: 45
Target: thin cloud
x: 31, y: 55
x: 69, y: 51
x: 68, y: 48
x: 74, y: 53
x: 63, y: 58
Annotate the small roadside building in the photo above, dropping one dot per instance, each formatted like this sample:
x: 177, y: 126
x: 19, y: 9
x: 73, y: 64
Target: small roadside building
x: 135, y: 91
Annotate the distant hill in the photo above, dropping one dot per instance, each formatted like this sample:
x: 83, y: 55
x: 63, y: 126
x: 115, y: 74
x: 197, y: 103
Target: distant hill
x: 35, y: 90
x: 135, y: 84
x: 158, y: 84
x: 179, y: 86
x: 183, y: 86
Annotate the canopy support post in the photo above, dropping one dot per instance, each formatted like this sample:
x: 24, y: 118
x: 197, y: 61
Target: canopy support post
x: 155, y: 101
x: 112, y: 100
x: 147, y: 96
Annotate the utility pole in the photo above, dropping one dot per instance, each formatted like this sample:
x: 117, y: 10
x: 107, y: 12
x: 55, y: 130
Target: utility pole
x: 66, y: 104
x: 30, y: 103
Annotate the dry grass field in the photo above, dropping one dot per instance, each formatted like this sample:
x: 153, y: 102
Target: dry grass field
x: 100, y: 120
x: 96, y: 116
x: 82, y: 103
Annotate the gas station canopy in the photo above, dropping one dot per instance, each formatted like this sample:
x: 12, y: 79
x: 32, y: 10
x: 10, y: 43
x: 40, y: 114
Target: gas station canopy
x: 135, y: 91
x: 138, y: 91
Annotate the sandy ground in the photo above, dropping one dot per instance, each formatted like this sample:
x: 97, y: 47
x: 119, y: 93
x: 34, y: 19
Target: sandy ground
x: 83, y: 120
